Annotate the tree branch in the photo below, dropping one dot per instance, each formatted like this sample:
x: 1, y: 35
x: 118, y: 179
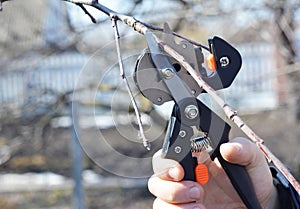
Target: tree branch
x: 123, y: 76
x: 87, y: 12
x: 137, y: 25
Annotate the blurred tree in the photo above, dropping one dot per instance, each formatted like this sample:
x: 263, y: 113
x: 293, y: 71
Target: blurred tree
x: 55, y: 27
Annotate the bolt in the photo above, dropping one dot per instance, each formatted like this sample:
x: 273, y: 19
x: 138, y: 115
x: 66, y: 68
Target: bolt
x: 184, y: 46
x: 224, y: 61
x: 191, y: 111
x: 182, y: 133
x: 167, y: 73
x: 159, y: 99
x: 178, y: 149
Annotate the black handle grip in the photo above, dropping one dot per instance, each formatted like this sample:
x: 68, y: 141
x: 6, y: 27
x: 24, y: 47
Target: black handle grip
x: 218, y: 131
x: 188, y: 163
x: 241, y: 181
x: 178, y: 148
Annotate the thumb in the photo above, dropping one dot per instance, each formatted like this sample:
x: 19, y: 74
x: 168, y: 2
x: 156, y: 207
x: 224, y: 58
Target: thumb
x: 243, y: 152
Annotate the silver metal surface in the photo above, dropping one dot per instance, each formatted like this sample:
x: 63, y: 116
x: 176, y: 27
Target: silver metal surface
x: 201, y: 144
x: 191, y: 111
x: 167, y: 73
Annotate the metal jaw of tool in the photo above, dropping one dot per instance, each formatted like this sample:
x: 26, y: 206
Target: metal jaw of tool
x: 193, y: 127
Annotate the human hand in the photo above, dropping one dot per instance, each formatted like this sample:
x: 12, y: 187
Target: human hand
x: 218, y: 193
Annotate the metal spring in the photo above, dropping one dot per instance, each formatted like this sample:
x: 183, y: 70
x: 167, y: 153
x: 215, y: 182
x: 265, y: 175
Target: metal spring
x: 201, y: 144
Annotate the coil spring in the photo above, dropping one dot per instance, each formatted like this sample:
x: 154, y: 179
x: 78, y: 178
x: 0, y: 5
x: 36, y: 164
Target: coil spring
x: 201, y: 144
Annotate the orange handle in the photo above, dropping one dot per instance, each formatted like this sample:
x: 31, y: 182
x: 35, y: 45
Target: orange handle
x: 201, y: 173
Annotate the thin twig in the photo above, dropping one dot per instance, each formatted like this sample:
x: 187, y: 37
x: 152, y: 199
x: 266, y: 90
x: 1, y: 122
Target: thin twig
x: 87, y: 12
x: 137, y: 25
x: 123, y: 76
x: 157, y: 28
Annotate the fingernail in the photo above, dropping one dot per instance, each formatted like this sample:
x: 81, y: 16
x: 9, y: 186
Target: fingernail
x: 174, y: 172
x: 197, y: 207
x: 195, y: 193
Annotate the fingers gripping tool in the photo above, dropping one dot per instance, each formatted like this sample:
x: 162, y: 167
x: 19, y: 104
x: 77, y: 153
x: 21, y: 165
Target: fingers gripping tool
x: 193, y: 127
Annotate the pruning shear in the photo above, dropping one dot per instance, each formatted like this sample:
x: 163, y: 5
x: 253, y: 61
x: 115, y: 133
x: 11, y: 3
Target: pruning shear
x: 193, y: 127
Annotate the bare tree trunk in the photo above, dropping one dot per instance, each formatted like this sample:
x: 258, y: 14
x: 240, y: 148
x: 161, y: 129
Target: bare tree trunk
x: 284, y: 14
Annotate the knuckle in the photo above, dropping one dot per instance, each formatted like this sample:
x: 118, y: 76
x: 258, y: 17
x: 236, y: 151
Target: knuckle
x: 151, y: 185
x: 173, y: 195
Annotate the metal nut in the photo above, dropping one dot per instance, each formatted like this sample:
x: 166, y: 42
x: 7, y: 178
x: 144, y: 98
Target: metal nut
x: 167, y: 73
x: 191, y: 111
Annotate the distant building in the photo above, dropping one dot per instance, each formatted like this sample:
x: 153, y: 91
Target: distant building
x: 262, y: 82
x: 255, y: 87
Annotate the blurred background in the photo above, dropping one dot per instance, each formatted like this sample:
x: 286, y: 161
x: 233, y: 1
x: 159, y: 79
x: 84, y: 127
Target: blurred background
x: 68, y: 133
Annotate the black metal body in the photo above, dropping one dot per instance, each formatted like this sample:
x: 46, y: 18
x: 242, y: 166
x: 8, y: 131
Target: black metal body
x: 161, y: 79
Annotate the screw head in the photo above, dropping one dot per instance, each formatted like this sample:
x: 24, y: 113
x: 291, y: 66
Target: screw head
x: 182, y: 133
x: 224, y: 61
x: 191, y: 111
x: 178, y: 149
x: 167, y: 73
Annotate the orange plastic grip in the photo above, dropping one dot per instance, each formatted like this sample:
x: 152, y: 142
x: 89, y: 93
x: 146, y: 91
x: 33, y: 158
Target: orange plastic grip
x: 201, y: 173
x: 211, y: 63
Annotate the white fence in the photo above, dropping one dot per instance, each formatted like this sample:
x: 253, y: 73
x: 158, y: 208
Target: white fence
x: 57, y: 73
x: 256, y: 85
x: 254, y: 88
